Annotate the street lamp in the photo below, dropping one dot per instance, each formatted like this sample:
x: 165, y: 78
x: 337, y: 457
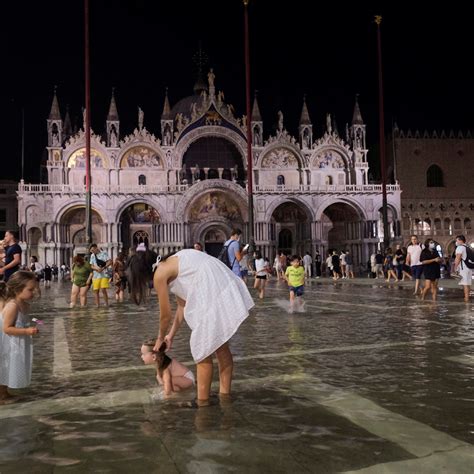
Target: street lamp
x: 386, y: 231
x: 249, y: 129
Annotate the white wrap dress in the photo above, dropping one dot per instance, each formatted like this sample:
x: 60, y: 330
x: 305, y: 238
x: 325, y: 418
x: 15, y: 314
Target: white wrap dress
x: 217, y: 301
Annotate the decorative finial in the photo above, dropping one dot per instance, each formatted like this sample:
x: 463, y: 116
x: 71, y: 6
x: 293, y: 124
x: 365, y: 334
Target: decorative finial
x: 378, y: 19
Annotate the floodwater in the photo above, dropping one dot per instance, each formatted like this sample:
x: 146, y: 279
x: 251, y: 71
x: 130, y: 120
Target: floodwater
x: 368, y: 378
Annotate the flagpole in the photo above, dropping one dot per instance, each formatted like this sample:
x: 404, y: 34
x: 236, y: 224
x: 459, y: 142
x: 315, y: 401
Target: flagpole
x: 249, y: 130
x: 87, y: 125
x: 383, y: 165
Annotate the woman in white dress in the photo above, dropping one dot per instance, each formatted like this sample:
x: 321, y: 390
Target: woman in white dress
x: 210, y: 297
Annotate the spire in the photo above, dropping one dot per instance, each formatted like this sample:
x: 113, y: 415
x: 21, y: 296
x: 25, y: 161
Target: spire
x: 166, y: 115
x: 256, y: 117
x: 55, y: 114
x: 113, y: 114
x: 304, y: 119
x: 357, y: 117
x: 67, y: 123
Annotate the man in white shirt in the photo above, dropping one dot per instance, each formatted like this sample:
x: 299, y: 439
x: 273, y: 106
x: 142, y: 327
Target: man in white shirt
x: 460, y: 266
x: 413, y: 260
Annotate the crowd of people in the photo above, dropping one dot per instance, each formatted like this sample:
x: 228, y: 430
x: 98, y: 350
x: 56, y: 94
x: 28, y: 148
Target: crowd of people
x: 222, y: 280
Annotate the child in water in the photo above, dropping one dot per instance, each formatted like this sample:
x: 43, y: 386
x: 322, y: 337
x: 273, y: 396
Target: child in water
x: 170, y: 373
x: 294, y: 275
x: 16, y: 346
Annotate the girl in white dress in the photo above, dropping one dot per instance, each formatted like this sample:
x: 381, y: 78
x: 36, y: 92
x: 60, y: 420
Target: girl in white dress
x: 212, y: 300
x: 16, y: 348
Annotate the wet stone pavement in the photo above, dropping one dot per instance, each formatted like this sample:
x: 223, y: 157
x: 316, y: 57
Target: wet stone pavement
x: 369, y: 379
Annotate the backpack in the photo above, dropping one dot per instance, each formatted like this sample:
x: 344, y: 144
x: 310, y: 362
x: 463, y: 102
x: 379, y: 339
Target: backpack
x: 469, y: 257
x: 224, y: 256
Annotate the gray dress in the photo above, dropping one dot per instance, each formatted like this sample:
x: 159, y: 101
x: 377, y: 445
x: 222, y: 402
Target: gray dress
x: 16, y: 355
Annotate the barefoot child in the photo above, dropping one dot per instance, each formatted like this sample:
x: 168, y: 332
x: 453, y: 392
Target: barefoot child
x: 16, y: 347
x: 295, y: 277
x: 170, y: 373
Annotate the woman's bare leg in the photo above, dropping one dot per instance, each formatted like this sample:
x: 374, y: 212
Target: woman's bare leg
x: 225, y: 362
x: 204, y: 380
x: 74, y: 293
x: 83, y: 295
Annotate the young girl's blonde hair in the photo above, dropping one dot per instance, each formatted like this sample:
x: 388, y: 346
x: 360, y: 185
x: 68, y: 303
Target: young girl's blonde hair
x: 16, y: 284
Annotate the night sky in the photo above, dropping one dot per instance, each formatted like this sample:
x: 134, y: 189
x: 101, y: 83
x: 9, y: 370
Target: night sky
x: 140, y: 47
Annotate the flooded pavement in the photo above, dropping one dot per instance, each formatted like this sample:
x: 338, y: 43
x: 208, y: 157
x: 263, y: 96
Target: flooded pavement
x: 369, y: 379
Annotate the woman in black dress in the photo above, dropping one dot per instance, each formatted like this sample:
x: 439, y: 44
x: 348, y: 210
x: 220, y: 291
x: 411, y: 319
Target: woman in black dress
x: 430, y: 259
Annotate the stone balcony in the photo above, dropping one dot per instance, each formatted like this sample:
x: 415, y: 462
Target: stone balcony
x: 37, y: 189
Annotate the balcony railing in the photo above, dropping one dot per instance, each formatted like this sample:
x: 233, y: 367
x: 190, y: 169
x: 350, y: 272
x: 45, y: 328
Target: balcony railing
x: 181, y: 188
x: 325, y: 188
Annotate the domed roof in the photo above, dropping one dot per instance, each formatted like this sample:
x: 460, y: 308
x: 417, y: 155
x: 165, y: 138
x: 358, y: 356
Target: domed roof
x: 184, y: 105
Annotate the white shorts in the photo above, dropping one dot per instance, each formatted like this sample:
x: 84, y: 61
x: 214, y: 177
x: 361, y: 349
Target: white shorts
x: 189, y: 375
x: 466, y: 276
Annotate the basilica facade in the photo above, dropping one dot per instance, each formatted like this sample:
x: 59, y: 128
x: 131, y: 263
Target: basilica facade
x: 190, y: 184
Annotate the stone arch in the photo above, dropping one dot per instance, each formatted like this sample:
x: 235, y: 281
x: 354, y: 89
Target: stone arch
x: 140, y: 200
x: 326, y: 151
x: 199, y: 189
x: 274, y: 147
x: 145, y: 145
x: 281, y: 200
x: 79, y: 203
x: 72, y: 158
x: 139, y: 222
x: 211, y: 131
x: 212, y: 154
x: 72, y: 225
x: 335, y: 200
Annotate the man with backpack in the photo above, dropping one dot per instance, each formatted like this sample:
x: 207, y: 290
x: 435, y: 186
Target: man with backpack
x: 231, y: 254
x: 464, y: 264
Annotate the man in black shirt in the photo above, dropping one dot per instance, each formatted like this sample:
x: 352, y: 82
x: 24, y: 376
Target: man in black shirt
x: 12, y: 255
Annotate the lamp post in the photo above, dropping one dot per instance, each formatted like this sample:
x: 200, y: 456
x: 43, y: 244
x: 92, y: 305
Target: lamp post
x: 249, y: 129
x: 386, y: 231
x: 87, y: 125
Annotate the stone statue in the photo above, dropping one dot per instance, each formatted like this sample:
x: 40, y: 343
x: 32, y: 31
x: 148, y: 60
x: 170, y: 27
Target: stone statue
x: 141, y: 115
x: 55, y: 138
x: 167, y: 136
x: 210, y: 77
x: 84, y: 118
x: 244, y: 121
x: 113, y: 137
x: 235, y: 173
x: 220, y: 99
x: 179, y: 122
x: 328, y: 123
x: 280, y: 121
x: 197, y: 173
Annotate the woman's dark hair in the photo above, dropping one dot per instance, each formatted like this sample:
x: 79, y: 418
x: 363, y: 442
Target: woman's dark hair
x: 78, y: 260
x: 35, y: 258
x: 461, y: 238
x: 258, y: 254
x: 295, y: 257
x: 427, y: 243
x: 139, y: 273
x: 162, y: 360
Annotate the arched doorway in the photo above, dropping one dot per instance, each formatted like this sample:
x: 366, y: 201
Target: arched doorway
x: 139, y: 223
x: 292, y: 228
x: 211, y: 158
x: 73, y: 231
x: 214, y: 239
x: 341, y: 229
